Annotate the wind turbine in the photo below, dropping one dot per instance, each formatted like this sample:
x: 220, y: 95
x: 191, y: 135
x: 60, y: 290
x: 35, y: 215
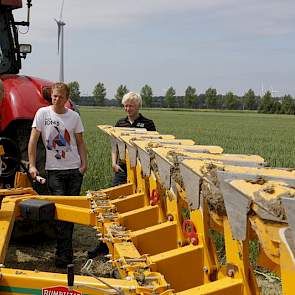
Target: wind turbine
x: 60, y: 43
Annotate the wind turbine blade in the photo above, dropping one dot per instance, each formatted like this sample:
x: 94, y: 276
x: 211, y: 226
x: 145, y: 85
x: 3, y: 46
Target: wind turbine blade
x: 58, y: 33
x: 58, y: 37
x: 61, y: 10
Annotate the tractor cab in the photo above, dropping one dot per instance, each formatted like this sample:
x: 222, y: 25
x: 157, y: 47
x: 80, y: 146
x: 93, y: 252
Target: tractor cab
x: 21, y: 97
x: 10, y: 50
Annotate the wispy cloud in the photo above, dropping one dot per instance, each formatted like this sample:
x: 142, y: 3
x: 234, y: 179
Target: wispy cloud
x: 165, y: 40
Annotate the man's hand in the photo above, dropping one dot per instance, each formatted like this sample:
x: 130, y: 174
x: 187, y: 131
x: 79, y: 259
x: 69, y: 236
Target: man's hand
x: 117, y: 168
x: 40, y: 179
x: 83, y: 169
x: 34, y: 172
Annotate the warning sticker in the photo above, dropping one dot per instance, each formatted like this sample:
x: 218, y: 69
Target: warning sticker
x: 59, y: 290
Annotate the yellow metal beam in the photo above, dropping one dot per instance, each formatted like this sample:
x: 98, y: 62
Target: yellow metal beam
x: 140, y: 218
x: 131, y: 173
x: 21, y: 180
x: 14, y: 281
x: 119, y: 190
x: 181, y: 267
x: 129, y: 203
x: 142, y: 184
x: 7, y: 217
x: 268, y: 235
x: 201, y: 219
x: 122, y: 250
x: 287, y: 261
x: 156, y: 239
x: 221, y: 287
x: 75, y: 214
x: 237, y: 258
x: 78, y: 201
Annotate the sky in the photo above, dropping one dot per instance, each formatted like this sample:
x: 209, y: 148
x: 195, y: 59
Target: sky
x: 229, y: 45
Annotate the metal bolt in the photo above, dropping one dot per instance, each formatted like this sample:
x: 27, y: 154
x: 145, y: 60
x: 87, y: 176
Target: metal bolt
x: 108, y: 256
x: 170, y: 217
x: 231, y: 273
x: 194, y: 241
x: 152, y: 278
x: 130, y: 260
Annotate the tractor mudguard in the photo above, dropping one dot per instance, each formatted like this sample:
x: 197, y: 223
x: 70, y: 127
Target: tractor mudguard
x: 24, y: 95
x: 12, y: 3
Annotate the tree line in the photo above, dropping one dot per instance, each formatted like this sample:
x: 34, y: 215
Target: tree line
x: 208, y: 100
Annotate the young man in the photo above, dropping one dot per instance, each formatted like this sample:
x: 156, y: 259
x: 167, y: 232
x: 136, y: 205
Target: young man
x: 62, y: 134
x: 132, y: 103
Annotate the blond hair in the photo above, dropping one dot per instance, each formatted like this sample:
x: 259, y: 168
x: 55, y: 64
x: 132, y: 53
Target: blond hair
x: 132, y: 96
x: 61, y: 87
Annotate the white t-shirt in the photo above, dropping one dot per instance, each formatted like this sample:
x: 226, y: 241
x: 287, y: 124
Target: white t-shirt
x: 58, y: 135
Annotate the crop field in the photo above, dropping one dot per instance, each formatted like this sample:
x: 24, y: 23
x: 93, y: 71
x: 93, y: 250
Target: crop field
x: 270, y: 136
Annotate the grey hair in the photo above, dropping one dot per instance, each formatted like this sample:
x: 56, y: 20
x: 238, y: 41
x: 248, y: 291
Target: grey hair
x: 132, y: 96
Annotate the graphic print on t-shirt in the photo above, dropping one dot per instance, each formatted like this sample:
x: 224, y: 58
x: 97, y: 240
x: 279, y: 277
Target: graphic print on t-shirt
x: 58, y: 142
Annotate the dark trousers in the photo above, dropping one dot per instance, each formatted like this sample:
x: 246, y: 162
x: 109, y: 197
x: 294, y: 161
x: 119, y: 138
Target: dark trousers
x: 121, y: 176
x: 64, y: 183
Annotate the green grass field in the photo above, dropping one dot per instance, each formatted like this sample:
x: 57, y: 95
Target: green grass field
x: 270, y: 136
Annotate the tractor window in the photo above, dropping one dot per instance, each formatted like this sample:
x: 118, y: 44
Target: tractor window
x: 4, y: 60
x: 1, y: 56
x: 4, y: 43
x: 9, y: 61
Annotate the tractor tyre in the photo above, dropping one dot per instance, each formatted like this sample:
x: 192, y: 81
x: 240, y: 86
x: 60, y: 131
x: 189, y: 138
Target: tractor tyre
x: 26, y: 228
x: 22, y: 137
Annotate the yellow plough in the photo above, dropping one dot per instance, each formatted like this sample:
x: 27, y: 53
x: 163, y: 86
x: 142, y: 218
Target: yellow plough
x: 158, y: 227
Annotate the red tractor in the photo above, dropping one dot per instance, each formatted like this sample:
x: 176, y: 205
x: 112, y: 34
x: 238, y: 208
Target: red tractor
x: 23, y: 96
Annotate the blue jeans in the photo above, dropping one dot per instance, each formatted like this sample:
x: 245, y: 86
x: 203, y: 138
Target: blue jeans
x: 121, y: 176
x: 64, y: 183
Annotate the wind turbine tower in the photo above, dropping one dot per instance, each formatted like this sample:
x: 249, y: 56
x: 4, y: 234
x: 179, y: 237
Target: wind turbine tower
x: 60, y: 43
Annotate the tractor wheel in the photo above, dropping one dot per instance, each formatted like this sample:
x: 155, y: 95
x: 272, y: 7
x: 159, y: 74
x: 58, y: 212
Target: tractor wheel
x: 22, y: 136
x: 9, y: 162
x: 27, y: 228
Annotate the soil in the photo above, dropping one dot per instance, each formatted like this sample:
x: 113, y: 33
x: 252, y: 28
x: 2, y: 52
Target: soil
x: 154, y: 165
x: 274, y: 206
x: 210, y: 192
x: 37, y: 253
x: 268, y: 286
x: 175, y: 158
